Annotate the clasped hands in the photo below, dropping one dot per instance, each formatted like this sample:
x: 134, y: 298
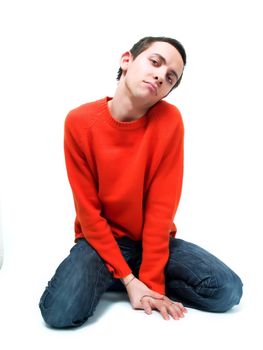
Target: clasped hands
x: 141, y: 297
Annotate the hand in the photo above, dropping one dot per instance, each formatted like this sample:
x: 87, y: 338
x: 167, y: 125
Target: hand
x: 165, y: 305
x: 142, y: 297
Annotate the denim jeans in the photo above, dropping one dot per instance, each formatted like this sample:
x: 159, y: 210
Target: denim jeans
x: 193, y: 276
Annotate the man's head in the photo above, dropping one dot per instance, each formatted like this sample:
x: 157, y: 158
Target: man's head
x: 146, y: 42
x: 151, y: 69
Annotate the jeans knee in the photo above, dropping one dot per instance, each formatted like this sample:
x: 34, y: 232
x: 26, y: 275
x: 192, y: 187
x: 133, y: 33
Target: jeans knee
x: 59, y: 320
x: 57, y: 314
x: 229, y: 294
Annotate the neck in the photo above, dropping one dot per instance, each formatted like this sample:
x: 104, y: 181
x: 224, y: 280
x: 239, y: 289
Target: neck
x: 125, y: 108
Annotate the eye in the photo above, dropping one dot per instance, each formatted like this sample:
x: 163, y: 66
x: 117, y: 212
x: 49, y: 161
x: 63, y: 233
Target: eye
x: 154, y: 62
x: 170, y: 80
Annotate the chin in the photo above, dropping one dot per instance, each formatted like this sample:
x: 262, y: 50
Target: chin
x: 147, y: 98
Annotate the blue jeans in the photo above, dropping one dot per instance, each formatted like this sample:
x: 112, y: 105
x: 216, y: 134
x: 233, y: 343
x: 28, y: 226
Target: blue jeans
x: 193, y: 276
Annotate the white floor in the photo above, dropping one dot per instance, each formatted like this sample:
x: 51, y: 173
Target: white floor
x: 115, y: 325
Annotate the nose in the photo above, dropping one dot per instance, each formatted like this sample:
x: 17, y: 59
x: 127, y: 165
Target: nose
x: 159, y: 81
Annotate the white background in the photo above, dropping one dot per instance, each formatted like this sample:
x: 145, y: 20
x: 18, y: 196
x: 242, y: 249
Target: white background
x: 56, y: 55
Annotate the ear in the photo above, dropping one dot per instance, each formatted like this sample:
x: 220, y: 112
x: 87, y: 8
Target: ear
x: 126, y: 58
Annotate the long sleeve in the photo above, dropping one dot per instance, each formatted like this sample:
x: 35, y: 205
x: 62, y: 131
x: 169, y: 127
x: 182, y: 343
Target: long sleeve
x: 160, y: 207
x: 90, y: 223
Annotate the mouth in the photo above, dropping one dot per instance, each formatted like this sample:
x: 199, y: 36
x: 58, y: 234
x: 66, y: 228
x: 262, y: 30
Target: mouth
x: 151, y: 86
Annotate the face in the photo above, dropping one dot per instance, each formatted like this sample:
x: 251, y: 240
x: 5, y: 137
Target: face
x: 153, y: 73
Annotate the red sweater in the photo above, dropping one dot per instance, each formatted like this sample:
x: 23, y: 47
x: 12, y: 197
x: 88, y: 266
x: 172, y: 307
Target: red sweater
x: 126, y: 179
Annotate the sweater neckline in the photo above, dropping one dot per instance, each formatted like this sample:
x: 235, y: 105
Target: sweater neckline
x: 134, y: 124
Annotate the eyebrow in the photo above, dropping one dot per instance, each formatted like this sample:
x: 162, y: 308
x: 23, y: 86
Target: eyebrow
x: 164, y: 61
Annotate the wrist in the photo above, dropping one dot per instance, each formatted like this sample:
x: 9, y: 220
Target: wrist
x: 127, y: 279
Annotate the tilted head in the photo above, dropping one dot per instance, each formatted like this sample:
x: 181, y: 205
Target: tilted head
x: 146, y: 42
x: 151, y: 70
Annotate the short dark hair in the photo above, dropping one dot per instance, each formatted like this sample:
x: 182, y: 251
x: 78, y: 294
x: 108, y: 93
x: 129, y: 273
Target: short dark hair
x: 147, y: 41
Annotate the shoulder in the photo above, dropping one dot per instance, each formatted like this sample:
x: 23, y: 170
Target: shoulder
x: 84, y: 115
x: 168, y: 116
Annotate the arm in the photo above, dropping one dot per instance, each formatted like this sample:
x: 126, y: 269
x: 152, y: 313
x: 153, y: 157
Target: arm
x: 160, y: 207
x: 88, y: 207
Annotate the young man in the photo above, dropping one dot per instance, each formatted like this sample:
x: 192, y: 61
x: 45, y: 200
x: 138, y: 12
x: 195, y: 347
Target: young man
x: 124, y: 157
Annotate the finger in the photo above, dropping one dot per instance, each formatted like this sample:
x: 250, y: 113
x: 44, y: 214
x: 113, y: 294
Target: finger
x: 175, y: 311
x: 161, y: 307
x: 146, y: 306
x: 164, y: 313
x: 180, y: 305
x: 157, y: 295
x: 182, y: 308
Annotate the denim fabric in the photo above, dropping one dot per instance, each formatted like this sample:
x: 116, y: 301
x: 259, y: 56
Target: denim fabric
x: 193, y: 276
x: 200, y: 280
